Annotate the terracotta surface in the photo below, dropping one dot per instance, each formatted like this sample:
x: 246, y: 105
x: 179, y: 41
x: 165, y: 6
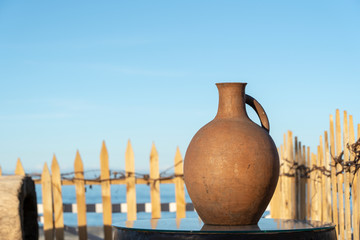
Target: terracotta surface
x: 231, y: 166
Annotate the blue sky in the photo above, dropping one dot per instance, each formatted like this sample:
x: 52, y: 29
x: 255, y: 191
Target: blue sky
x: 75, y: 73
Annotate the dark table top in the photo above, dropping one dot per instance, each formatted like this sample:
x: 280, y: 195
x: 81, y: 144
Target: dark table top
x: 193, y: 225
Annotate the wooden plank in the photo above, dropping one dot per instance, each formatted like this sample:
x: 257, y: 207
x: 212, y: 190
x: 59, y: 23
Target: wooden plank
x: 357, y: 190
x: 57, y: 197
x: 130, y: 183
x: 106, y: 192
x: 287, y: 183
x: 335, y: 214
x: 47, y: 203
x: 280, y: 202
x: 19, y: 170
x: 313, y: 192
x: 339, y: 178
x: 318, y: 198
x: 346, y: 178
x: 297, y: 177
x: 292, y: 180
x: 322, y: 180
x: 286, y: 213
x: 328, y: 208
x: 303, y: 185
x: 0, y: 171
x: 155, y: 185
x: 275, y: 200
x: 179, y: 185
x: 308, y: 185
x: 355, y: 186
x: 283, y: 203
x: 80, y: 196
x: 302, y: 182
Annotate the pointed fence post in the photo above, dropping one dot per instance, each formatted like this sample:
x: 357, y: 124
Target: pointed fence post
x: 340, y: 177
x: 318, y: 186
x: 275, y: 200
x: 357, y: 199
x: 322, y: 181
x: 155, y: 183
x: 57, y: 197
x: 308, y: 185
x: 286, y: 195
x: 130, y: 183
x: 283, y: 183
x: 302, y: 213
x: 80, y: 196
x: 292, y: 180
x: 335, y: 214
x: 346, y: 178
x: 106, y: 191
x: 179, y: 185
x: 297, y: 177
x: 355, y: 186
x: 19, y: 170
x: 47, y: 203
x: 314, y: 191
x: 327, y: 162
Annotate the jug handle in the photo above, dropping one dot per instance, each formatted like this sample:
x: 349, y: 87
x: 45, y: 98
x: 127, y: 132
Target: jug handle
x: 259, y: 111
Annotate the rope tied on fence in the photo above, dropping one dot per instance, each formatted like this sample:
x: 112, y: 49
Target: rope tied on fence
x: 351, y: 166
x: 115, y: 175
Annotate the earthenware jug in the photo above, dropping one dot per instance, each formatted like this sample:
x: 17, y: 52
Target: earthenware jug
x: 231, y: 166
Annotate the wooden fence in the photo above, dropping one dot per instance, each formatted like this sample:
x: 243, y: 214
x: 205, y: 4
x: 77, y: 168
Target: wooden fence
x: 53, y: 207
x: 323, y: 185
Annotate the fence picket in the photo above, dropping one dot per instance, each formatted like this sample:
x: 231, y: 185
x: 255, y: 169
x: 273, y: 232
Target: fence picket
x: 322, y: 180
x: 334, y: 185
x: 47, y: 203
x: 318, y: 177
x: 286, y: 181
x: 297, y: 177
x: 346, y: 178
x: 283, y: 196
x: 106, y: 192
x: 293, y: 189
x: 19, y: 170
x: 355, y: 184
x: 0, y: 171
x: 57, y: 198
x: 313, y: 205
x: 80, y: 196
x: 155, y: 183
x: 328, y: 209
x: 130, y: 183
x: 340, y: 178
x: 308, y: 185
x: 302, y: 185
x: 179, y: 185
x: 357, y: 190
x: 275, y: 200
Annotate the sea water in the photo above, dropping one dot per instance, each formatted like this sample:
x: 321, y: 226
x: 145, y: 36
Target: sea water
x: 118, y: 195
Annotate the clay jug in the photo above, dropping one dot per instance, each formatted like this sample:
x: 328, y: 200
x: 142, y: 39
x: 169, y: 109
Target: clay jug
x: 231, y: 166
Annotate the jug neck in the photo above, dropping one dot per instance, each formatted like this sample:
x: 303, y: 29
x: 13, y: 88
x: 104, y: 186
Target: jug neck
x: 231, y: 100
